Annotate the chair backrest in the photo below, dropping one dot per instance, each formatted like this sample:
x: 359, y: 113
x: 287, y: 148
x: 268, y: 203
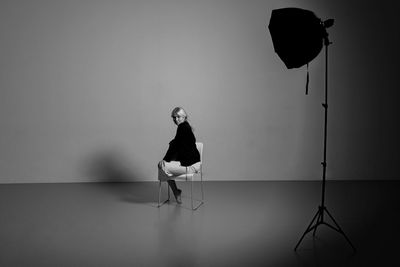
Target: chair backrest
x: 199, y: 146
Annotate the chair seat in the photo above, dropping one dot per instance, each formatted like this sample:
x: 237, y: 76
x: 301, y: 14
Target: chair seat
x: 184, y: 176
x: 179, y: 177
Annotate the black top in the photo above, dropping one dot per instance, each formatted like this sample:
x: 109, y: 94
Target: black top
x: 183, y: 147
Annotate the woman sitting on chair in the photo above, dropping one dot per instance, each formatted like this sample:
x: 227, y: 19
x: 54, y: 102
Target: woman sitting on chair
x: 182, y: 156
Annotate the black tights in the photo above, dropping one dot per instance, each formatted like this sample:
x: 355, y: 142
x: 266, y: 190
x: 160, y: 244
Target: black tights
x: 173, y: 186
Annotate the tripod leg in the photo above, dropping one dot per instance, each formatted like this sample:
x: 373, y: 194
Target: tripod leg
x: 309, y: 228
x: 339, y: 229
x: 319, y: 220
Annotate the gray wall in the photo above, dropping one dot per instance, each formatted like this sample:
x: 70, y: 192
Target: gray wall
x: 87, y: 88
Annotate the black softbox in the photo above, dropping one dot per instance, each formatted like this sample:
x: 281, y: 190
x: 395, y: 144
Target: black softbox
x: 297, y: 35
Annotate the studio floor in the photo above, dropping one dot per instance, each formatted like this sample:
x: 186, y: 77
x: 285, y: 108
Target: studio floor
x: 240, y: 224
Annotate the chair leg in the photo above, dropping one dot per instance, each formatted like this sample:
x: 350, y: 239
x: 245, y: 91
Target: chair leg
x: 159, y: 195
x: 201, y: 184
x: 191, y: 195
x: 191, y: 192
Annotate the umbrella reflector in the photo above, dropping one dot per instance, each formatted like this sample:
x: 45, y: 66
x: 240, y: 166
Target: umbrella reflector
x: 297, y: 35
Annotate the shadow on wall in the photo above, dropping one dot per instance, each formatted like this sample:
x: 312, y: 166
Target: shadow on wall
x: 111, y: 167
x: 115, y: 173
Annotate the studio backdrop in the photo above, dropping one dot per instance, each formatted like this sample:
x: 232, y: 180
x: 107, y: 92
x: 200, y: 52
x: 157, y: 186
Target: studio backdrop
x: 87, y: 87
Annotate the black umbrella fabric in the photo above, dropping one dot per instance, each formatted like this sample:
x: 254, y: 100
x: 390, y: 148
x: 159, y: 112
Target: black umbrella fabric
x: 297, y: 35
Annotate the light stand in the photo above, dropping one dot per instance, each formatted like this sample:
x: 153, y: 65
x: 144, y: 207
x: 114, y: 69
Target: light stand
x: 318, y: 218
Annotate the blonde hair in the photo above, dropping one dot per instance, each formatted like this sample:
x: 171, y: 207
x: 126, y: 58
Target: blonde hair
x: 176, y: 110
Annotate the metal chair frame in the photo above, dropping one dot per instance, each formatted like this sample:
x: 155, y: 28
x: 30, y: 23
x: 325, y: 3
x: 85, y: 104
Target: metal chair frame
x: 187, y: 176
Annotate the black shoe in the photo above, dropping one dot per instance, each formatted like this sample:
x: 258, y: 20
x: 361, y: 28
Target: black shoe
x: 178, y: 196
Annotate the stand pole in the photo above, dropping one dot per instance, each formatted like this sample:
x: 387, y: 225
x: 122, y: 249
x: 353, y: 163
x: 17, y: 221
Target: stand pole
x: 321, y: 209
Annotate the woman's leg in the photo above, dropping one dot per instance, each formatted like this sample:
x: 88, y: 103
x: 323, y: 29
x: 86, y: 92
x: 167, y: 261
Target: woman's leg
x: 173, y: 186
x: 177, y: 192
x: 174, y: 168
x: 167, y: 170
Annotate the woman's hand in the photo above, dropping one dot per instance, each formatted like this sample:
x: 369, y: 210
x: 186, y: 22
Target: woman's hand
x: 161, y: 164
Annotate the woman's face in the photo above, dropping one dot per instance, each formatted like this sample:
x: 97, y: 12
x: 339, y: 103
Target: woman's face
x: 178, y: 117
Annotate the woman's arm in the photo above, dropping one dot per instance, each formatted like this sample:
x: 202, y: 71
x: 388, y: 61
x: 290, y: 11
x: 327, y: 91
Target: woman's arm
x: 182, y: 142
x: 171, y: 152
x: 184, y: 135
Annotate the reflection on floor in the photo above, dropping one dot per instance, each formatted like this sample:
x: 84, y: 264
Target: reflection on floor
x: 241, y: 224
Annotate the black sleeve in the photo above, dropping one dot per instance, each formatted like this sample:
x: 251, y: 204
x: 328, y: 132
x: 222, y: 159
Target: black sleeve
x: 183, y: 140
x: 171, y: 152
x: 184, y: 135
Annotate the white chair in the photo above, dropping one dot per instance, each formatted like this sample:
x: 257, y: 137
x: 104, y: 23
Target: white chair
x: 186, y: 177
